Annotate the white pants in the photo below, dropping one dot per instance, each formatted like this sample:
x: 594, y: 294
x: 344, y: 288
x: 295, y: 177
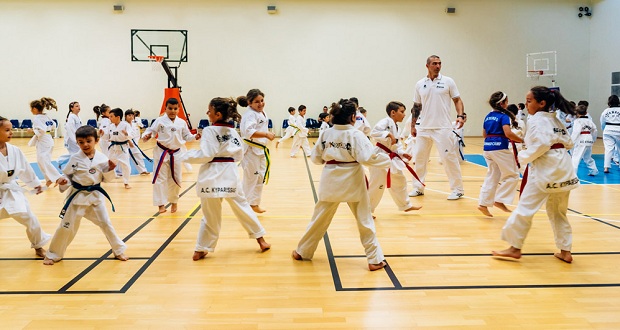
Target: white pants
x: 321, y: 219
x: 139, y: 162
x: 121, y: 158
x: 104, y: 145
x: 520, y: 221
x: 44, y: 147
x: 69, y: 226
x: 300, y: 142
x: 610, y: 141
x: 211, y: 222
x: 377, y: 184
x: 501, y: 168
x: 254, y: 167
x: 583, y: 151
x: 35, y: 234
x: 289, y: 132
x: 165, y: 190
x: 448, y: 155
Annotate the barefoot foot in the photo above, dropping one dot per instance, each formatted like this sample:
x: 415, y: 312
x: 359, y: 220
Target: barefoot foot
x: 257, y: 209
x: 277, y: 142
x: 121, y: 257
x: 413, y: 208
x: 162, y: 209
x: 378, y: 266
x: 296, y: 255
x: 502, y: 207
x: 264, y: 246
x: 48, y: 262
x: 511, y: 252
x: 48, y: 183
x: 564, y: 255
x: 173, y: 207
x: 485, y: 211
x: 40, y: 252
x: 127, y: 186
x: 199, y: 255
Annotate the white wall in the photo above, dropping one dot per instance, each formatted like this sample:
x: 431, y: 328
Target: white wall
x: 604, y: 54
x: 311, y: 52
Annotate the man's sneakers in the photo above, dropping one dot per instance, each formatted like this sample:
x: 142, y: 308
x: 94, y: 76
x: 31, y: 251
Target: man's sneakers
x: 455, y: 195
x: 416, y: 193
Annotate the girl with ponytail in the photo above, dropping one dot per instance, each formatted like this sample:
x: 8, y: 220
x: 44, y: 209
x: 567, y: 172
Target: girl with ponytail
x: 43, y: 125
x: 501, y: 162
x: 550, y: 175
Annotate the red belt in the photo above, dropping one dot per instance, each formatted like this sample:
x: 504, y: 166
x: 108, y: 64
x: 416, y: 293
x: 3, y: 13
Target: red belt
x: 525, y: 174
x: 331, y: 162
x: 514, y: 147
x: 585, y: 132
x: 395, y: 155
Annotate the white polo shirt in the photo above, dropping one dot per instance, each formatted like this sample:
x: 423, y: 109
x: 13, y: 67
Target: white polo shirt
x: 436, y: 98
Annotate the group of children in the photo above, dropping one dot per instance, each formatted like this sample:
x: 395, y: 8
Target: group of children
x: 344, y: 149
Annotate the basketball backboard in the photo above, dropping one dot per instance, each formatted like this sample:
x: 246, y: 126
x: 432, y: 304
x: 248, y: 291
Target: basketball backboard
x: 541, y: 64
x: 171, y: 44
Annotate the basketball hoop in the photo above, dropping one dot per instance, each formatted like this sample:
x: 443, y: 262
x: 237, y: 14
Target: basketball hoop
x: 535, y: 74
x: 155, y: 61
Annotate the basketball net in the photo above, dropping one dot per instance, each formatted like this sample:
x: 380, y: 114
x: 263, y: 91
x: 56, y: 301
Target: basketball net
x: 535, y: 74
x: 155, y: 61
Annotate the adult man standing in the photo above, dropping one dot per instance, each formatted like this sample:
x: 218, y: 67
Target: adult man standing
x: 434, y: 92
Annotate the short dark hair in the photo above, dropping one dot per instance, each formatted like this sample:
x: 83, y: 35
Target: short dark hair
x: 301, y: 107
x: 118, y: 112
x: 172, y: 101
x: 322, y: 115
x: 86, y: 131
x: 393, y: 106
x: 129, y: 112
x: 291, y: 109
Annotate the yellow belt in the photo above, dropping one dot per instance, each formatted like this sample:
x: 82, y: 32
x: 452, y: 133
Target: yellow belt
x: 267, y: 158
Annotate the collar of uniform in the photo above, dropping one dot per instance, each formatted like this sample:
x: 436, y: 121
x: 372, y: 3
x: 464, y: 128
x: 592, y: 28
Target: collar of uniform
x: 343, y: 127
x: 438, y: 77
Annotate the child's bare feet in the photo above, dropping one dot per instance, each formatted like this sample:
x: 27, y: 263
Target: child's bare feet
x: 48, y: 183
x: 296, y: 255
x: 502, y: 207
x: 257, y: 209
x: 40, y: 252
x: 277, y: 142
x: 145, y: 173
x: 485, y: 211
x: 564, y: 255
x: 374, y: 217
x: 121, y: 257
x: 199, y: 255
x: 127, y: 186
x: 511, y: 252
x: 413, y: 208
x: 173, y: 207
x: 162, y: 209
x: 264, y: 246
x: 48, y: 262
x: 378, y: 266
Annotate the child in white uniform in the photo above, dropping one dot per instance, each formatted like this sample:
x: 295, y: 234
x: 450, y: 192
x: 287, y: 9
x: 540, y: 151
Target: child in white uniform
x: 551, y: 175
x: 610, y: 124
x: 119, y: 134
x: 292, y: 128
x: 361, y: 123
x: 301, y: 138
x: 13, y: 203
x: 172, y: 132
x: 343, y: 149
x: 501, y: 163
x: 135, y: 153
x: 42, y: 125
x: 386, y: 134
x: 324, y: 119
x: 255, y: 133
x: 83, y: 176
x: 102, y: 125
x: 220, y: 150
x: 72, y: 123
x: 583, y: 136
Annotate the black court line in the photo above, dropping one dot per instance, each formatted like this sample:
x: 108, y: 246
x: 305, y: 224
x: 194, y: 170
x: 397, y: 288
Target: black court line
x: 397, y: 285
x: 105, y: 257
x: 70, y: 259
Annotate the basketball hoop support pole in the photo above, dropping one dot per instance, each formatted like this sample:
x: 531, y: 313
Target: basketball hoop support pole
x: 174, y: 90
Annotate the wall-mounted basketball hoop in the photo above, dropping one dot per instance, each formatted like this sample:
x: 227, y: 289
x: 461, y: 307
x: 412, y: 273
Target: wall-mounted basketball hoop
x: 543, y: 64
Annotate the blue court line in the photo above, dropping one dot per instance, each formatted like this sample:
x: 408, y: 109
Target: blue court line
x: 582, y: 171
x: 134, y: 171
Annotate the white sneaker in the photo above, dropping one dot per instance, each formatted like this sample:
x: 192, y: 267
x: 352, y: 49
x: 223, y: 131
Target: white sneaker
x: 455, y: 195
x: 416, y: 193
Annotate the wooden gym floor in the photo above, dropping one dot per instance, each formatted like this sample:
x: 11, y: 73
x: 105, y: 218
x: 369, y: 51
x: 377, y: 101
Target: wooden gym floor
x: 440, y: 271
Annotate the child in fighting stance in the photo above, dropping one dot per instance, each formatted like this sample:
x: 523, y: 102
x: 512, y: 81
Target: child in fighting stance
x: 118, y: 133
x: 343, y: 149
x: 42, y: 125
x: 301, y: 138
x: 291, y: 129
x: 86, y: 198
x: 13, y: 203
x: 137, y: 155
x: 218, y: 178
x: 551, y: 175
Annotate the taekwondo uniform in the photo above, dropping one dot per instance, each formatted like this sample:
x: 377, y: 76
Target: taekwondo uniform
x: 583, y: 136
x: 136, y: 154
x: 291, y: 129
x: 256, y: 161
x: 610, y: 124
x: 42, y: 125
x: 103, y: 124
x: 301, y: 138
x: 118, y: 150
